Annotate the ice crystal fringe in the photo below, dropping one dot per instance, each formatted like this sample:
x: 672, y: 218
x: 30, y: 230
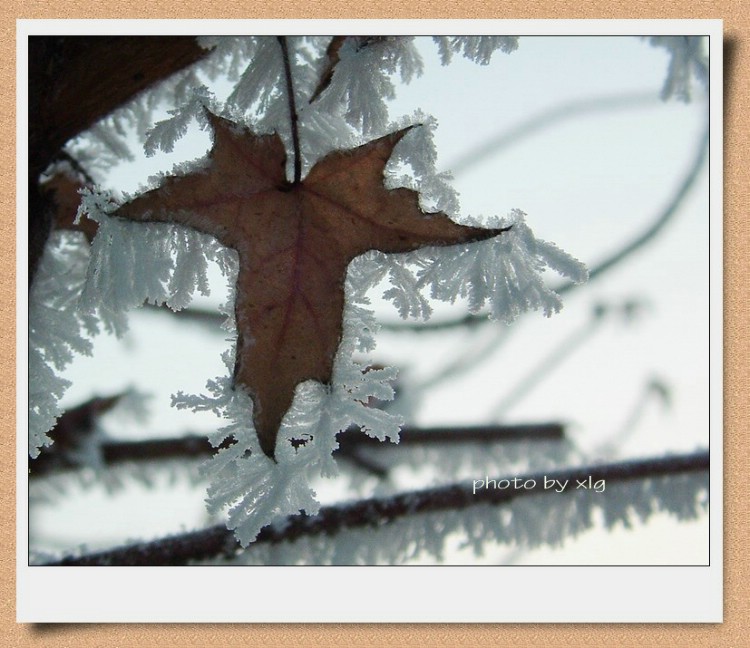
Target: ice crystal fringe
x: 135, y: 263
x: 527, y: 523
x: 476, y: 48
x: 253, y: 489
x: 687, y: 60
x: 361, y: 80
x: 57, y: 330
x: 505, y: 271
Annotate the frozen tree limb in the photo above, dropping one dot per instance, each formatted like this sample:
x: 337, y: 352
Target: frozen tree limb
x: 218, y: 541
x: 198, y: 447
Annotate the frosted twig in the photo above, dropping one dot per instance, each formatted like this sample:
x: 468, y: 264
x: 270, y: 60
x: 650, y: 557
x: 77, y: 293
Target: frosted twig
x: 193, y: 446
x: 219, y: 542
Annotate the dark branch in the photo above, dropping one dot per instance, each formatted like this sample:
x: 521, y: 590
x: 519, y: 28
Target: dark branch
x: 457, y: 434
x: 198, y: 447
x: 74, y: 82
x: 220, y: 542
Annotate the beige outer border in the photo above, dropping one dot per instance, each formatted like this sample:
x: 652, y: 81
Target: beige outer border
x: 736, y: 374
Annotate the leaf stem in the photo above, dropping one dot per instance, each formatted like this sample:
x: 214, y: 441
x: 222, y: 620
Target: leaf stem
x: 292, y: 109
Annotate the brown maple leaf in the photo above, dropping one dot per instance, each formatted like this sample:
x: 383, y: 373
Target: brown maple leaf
x: 295, y: 241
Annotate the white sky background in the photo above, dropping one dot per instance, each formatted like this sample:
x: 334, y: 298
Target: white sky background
x: 589, y: 184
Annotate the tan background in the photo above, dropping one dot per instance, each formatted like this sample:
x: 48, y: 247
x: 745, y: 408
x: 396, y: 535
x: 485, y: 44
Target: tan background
x: 736, y: 16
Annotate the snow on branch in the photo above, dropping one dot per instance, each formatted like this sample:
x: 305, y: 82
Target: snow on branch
x: 57, y: 330
x: 687, y: 60
x: 419, y: 522
x: 475, y: 48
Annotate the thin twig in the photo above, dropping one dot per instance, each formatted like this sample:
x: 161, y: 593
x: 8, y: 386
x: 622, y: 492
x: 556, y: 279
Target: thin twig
x: 572, y: 109
x: 292, y: 110
x: 546, y: 365
x: 197, y: 447
x: 665, y: 216
x: 603, y: 267
x: 218, y: 541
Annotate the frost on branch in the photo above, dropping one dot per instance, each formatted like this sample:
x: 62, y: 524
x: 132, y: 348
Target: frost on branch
x: 132, y: 264
x: 362, y: 78
x: 475, y: 48
x: 163, y: 135
x: 527, y: 523
x: 687, y: 59
x: 256, y: 490
x: 362, y: 82
x: 57, y: 330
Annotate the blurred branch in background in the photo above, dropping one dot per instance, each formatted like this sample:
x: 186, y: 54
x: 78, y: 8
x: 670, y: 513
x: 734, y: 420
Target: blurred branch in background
x: 547, y: 119
x: 654, y: 391
x: 218, y: 541
x: 350, y: 442
x: 565, y: 348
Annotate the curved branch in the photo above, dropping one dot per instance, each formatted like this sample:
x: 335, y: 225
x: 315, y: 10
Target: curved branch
x: 218, y: 541
x: 548, y: 118
x: 658, y: 224
x: 663, y: 218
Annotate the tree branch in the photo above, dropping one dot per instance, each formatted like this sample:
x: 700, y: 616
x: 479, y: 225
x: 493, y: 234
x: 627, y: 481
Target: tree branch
x: 198, y: 447
x: 662, y: 219
x: 547, y: 119
x: 218, y: 541
x: 75, y: 81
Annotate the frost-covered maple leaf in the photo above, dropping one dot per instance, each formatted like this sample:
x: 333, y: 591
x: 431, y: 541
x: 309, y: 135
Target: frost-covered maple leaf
x: 295, y: 242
